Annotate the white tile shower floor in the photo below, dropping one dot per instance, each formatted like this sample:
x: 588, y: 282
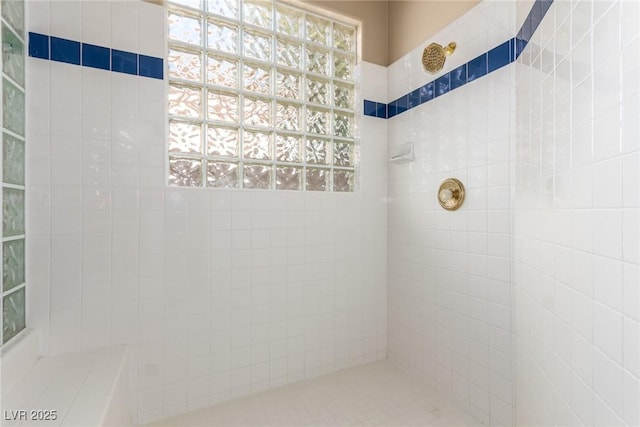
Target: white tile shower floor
x: 376, y: 394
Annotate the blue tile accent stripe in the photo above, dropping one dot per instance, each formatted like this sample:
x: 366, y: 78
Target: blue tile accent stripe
x: 490, y: 61
x: 73, y: 52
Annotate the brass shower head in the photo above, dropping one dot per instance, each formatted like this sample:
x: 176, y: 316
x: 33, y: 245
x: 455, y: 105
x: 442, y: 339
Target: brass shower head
x: 434, y: 56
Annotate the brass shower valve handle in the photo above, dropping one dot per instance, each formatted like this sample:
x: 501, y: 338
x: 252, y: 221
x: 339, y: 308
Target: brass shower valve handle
x: 451, y: 194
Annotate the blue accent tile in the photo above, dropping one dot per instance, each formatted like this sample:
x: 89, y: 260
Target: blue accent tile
x: 381, y: 110
x: 458, y: 76
x: 499, y: 56
x: 369, y: 108
x: 63, y: 50
x: 402, y: 104
x: 392, y: 109
x: 536, y: 15
x: 442, y: 85
x: 546, y: 4
x: 414, y: 98
x: 150, y: 66
x: 124, y: 62
x: 477, y: 67
x: 520, y: 45
x: 38, y: 45
x: 525, y: 31
x: 96, y: 56
x: 426, y: 92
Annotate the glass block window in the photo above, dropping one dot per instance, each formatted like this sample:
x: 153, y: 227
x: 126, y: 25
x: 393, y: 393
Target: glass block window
x: 261, y: 95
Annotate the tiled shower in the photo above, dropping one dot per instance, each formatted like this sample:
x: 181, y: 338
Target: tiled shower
x: 520, y: 308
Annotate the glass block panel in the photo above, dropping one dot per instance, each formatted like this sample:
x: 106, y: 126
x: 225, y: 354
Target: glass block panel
x: 257, y: 176
x: 185, y: 101
x: 288, y: 85
x: 318, y: 90
x: 257, y: 78
x: 288, y: 53
x: 222, y: 36
x: 222, y: 71
x: 288, y: 148
x: 222, y: 174
x: 289, y: 21
x: 343, y: 154
x: 318, y: 121
x: 12, y: 55
x: 343, y: 67
x: 288, y: 116
x: 257, y: 145
x: 185, y: 28
x: 344, y: 125
x: 288, y: 178
x: 318, y: 150
x: 184, y: 65
x: 13, y: 160
x: 227, y: 8
x: 344, y: 37
x: 13, y: 13
x: 317, y: 179
x: 222, y: 107
x: 257, y: 45
x: 12, y: 212
x: 318, y: 30
x: 12, y: 264
x: 185, y: 172
x: 13, y: 307
x: 257, y: 112
x: 258, y: 12
x: 317, y: 61
x: 13, y: 110
x: 222, y: 141
x: 185, y: 138
x: 343, y: 180
x: 343, y: 96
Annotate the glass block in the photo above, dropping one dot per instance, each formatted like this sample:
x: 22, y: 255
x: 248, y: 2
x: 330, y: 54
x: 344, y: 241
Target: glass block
x: 288, y: 178
x: 288, y: 53
x: 343, y: 96
x: 222, y: 141
x: 184, y: 137
x: 257, y: 78
x: 257, y: 45
x: 184, y: 65
x: 317, y: 150
x: 257, y: 112
x: 185, y: 172
x: 288, y: 85
x: 12, y: 212
x: 222, y: 174
x: 343, y: 180
x: 13, y: 13
x: 12, y: 55
x: 257, y: 176
x: 343, y: 67
x: 227, y: 8
x: 223, y: 107
x: 344, y: 37
x: 318, y: 30
x: 13, y: 308
x: 343, y: 153
x: 258, y: 13
x: 12, y: 160
x: 318, y: 91
x: 222, y: 36
x: 288, y: 148
x: 344, y: 125
x: 317, y: 61
x: 13, y: 110
x: 12, y: 264
x: 189, y: 3
x: 317, y: 179
x: 222, y: 71
x: 185, y: 28
x: 289, y: 21
x: 185, y: 101
x: 288, y: 116
x: 318, y: 121
x: 257, y: 145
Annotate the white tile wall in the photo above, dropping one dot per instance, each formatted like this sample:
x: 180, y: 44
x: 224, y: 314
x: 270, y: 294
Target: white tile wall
x: 219, y: 293
x: 577, y: 216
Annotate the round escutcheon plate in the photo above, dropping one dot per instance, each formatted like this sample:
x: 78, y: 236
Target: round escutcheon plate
x: 451, y: 194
